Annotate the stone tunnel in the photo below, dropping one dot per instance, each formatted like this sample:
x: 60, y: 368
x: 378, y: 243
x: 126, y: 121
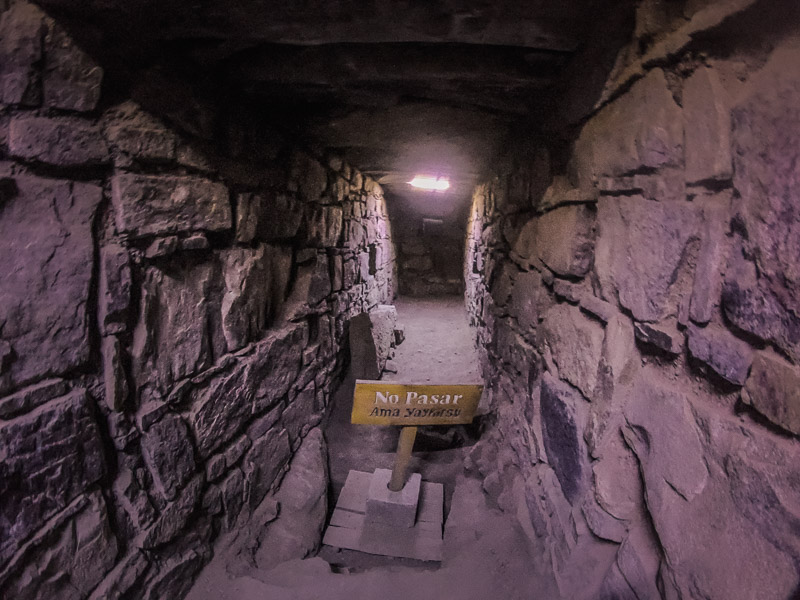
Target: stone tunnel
x: 197, y: 199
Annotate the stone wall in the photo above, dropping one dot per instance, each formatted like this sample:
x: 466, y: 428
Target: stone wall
x: 174, y: 296
x: 429, y: 263
x: 639, y: 319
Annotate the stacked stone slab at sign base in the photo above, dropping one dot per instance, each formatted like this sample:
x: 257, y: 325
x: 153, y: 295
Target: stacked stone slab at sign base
x: 173, y: 305
x: 639, y: 322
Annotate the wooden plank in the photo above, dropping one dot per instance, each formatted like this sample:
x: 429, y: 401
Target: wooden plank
x: 381, y: 403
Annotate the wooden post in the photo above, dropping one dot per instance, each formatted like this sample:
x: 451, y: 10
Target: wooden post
x: 402, y: 458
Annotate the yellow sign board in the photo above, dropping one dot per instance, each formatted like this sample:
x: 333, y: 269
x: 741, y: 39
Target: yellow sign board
x: 379, y: 403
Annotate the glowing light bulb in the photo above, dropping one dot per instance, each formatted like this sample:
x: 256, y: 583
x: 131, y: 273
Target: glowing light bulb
x: 426, y: 182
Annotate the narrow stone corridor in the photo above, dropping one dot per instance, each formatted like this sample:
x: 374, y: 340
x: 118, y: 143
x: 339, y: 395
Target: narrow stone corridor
x: 212, y: 211
x: 478, y: 560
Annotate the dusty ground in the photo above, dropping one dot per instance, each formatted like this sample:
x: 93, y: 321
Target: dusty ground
x: 485, y: 555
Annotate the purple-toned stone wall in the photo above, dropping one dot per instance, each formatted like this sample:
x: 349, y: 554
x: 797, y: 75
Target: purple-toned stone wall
x: 173, y: 311
x: 639, y: 322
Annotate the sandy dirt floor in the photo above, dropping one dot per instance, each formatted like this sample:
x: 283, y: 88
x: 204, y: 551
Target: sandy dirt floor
x: 485, y: 554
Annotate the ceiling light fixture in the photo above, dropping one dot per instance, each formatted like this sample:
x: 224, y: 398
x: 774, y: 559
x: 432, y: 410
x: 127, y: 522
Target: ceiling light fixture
x: 426, y: 182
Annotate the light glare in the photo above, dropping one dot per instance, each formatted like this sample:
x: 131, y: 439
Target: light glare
x: 425, y: 182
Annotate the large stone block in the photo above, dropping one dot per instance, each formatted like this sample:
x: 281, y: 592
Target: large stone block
x: 529, y: 300
x: 115, y: 289
x: 264, y: 462
x: 563, y: 420
x: 159, y: 204
x: 115, y: 377
x: 71, y: 79
x: 714, y: 248
x: 700, y: 494
x: 136, y: 135
x: 563, y: 239
x: 69, y: 560
x: 169, y: 455
x: 45, y: 291
x: 307, y: 176
x: 773, y: 389
x: 661, y: 431
x: 750, y: 306
x: 766, y: 130
x: 323, y: 226
x: 576, y: 343
x: 173, y: 518
x: 303, y: 499
x: 50, y: 456
x: 267, y: 218
x: 176, y: 334
x: 640, y: 251
x: 26, y: 399
x: 61, y: 141
x: 728, y: 356
x: 276, y: 364
x: 371, y: 337
x: 643, y: 129
x: 707, y: 123
x: 21, y: 36
x: 221, y: 407
x: 255, y: 286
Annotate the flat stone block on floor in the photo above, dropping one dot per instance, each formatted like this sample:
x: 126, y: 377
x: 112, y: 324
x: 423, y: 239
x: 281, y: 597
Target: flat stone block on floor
x: 392, y: 508
x: 349, y: 528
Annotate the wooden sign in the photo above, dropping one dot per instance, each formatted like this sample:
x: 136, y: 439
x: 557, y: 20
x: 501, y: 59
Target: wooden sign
x: 379, y: 403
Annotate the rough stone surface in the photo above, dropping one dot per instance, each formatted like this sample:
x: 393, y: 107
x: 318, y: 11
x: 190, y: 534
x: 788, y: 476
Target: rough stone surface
x: 562, y: 239
x: 707, y: 287
x: 562, y: 427
x: 51, y: 455
x: 657, y: 234
x: 45, y: 293
x: 264, y: 463
x: 766, y: 126
x: 707, y: 125
x: 115, y: 289
x: 174, y: 337
x: 71, y: 80
x: 700, y: 243
x: 22, y: 33
x: 303, y: 500
x: 169, y: 455
x: 135, y: 135
x: 727, y: 356
x: 576, y: 343
x: 255, y: 286
x: 208, y: 348
x: 642, y: 129
x: 65, y: 142
x: 114, y: 375
x: 156, y: 205
x: 664, y: 338
x: 666, y: 443
x: 773, y: 389
x: 73, y: 557
x: 324, y: 226
x: 371, y: 338
x: 528, y: 300
x: 29, y: 398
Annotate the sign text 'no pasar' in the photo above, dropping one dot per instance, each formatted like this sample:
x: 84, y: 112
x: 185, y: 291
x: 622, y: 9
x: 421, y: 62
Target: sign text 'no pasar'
x: 377, y: 403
